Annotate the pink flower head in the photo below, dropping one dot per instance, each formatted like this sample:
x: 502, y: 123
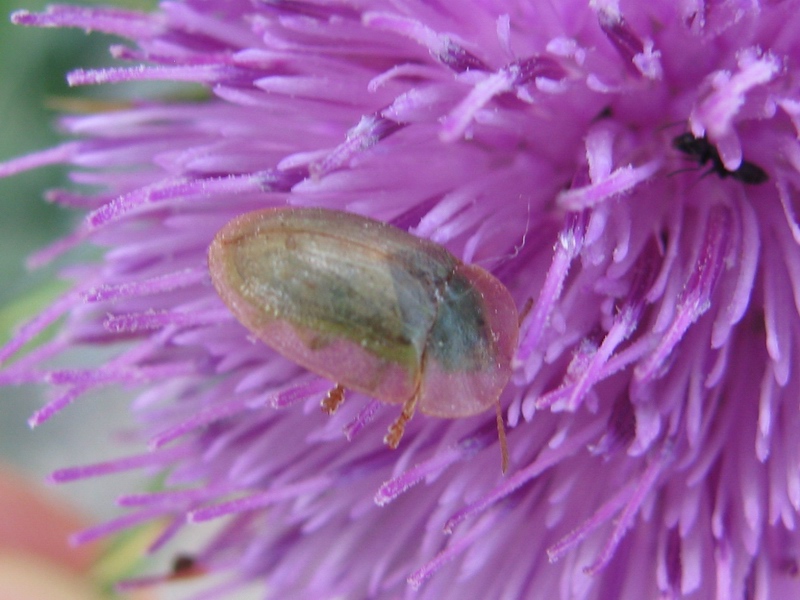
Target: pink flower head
x: 627, y: 167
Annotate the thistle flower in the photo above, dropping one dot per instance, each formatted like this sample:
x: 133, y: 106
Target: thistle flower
x: 629, y: 168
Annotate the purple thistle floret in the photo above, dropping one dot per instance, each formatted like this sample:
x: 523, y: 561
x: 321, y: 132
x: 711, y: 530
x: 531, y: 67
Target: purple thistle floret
x: 654, y: 431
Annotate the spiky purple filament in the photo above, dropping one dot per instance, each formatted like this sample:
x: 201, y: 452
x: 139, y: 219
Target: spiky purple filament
x: 653, y: 419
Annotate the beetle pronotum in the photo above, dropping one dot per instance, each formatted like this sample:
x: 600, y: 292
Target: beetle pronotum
x: 371, y: 307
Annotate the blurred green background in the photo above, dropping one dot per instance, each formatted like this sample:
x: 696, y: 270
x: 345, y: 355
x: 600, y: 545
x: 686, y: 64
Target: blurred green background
x: 33, y: 65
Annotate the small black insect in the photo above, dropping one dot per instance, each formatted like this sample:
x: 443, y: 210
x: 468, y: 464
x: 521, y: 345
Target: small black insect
x: 185, y: 566
x: 701, y: 150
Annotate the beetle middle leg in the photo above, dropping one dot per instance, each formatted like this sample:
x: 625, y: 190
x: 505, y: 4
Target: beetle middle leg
x: 333, y: 399
x: 396, y: 429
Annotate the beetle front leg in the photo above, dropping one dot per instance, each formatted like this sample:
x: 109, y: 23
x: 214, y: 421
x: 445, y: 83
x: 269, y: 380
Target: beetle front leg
x: 396, y: 429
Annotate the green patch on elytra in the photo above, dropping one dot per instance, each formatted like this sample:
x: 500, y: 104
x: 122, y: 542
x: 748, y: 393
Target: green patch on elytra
x: 318, y: 330
x: 385, y: 317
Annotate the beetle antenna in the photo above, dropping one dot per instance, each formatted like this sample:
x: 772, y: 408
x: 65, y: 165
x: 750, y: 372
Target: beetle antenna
x: 671, y: 124
x: 687, y: 170
x: 501, y: 434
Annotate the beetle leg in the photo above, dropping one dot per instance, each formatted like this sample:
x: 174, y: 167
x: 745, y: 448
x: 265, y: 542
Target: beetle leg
x: 333, y: 399
x: 396, y: 429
